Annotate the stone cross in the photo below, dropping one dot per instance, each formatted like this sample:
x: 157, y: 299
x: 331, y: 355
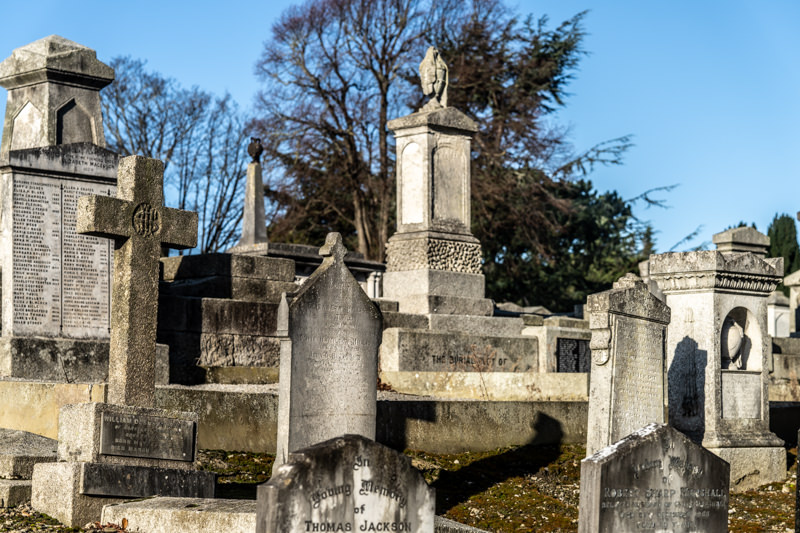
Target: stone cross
x: 140, y: 225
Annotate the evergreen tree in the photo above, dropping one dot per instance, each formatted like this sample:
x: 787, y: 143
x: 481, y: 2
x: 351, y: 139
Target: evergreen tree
x: 782, y: 234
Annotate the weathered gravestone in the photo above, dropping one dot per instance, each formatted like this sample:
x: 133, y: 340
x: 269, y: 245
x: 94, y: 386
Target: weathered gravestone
x: 719, y: 352
x: 655, y: 479
x: 348, y: 483
x: 626, y: 390
x: 56, y: 284
x: 125, y: 448
x: 329, y: 362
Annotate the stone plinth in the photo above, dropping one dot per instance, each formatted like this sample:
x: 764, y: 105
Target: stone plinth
x: 19, y: 452
x: 718, y: 356
x: 563, y: 343
x: 108, y: 453
x: 793, y: 282
x: 433, y: 253
x: 53, y: 95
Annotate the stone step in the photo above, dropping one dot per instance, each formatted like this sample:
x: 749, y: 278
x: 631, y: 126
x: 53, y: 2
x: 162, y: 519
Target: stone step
x: 478, y: 325
x: 20, y: 450
x: 226, y: 265
x: 217, y: 315
x: 212, y: 516
x: 14, y: 492
x: 248, y: 289
x: 417, y: 350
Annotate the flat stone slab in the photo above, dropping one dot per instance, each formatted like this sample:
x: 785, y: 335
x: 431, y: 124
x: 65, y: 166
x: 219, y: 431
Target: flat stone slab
x: 226, y: 265
x: 54, y: 359
x: 198, y: 515
x: 121, y: 481
x: 212, y: 515
x: 20, y: 450
x: 14, y: 492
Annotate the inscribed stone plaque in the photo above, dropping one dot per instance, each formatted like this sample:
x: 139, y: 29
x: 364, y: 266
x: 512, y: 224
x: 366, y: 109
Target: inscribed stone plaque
x: 153, y: 437
x: 637, y: 387
x: 741, y: 394
x: 328, y: 380
x: 127, y: 481
x: 449, y: 170
x: 655, y: 479
x: 59, y: 281
x: 349, y: 483
x: 572, y: 355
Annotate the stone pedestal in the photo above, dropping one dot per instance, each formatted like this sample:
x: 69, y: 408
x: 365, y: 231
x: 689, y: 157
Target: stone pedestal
x: 793, y: 282
x: 111, y: 453
x: 718, y: 353
x: 433, y: 260
x: 19, y: 452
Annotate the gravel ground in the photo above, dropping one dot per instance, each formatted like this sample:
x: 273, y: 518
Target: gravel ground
x: 531, y: 488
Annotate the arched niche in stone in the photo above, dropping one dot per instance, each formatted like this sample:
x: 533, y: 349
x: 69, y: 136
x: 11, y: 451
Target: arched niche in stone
x: 741, y: 354
x: 73, y: 124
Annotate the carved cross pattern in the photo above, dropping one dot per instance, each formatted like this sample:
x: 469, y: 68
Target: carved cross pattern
x: 139, y: 226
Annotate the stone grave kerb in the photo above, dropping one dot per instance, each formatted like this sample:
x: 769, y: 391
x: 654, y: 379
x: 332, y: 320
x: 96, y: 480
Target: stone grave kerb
x: 627, y: 322
x: 329, y: 357
x: 139, y: 225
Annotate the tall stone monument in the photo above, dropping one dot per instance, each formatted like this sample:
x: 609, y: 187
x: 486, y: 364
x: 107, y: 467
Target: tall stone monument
x: 433, y: 260
x: 626, y: 390
x: 329, y: 357
x: 56, y: 284
x: 718, y: 351
x: 254, y: 225
x: 126, y: 448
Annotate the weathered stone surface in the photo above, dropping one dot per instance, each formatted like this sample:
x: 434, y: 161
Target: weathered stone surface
x: 237, y: 288
x: 54, y: 359
x: 432, y: 282
x: 443, y: 525
x: 329, y: 364
x: 563, y: 342
x: 125, y: 481
x: 626, y: 392
x: 107, y: 433
x: 404, y: 320
x: 446, y: 305
x: 184, y: 514
x: 751, y: 465
x: 20, y: 450
x: 56, y: 493
x: 654, y: 480
x: 477, y: 325
x: 719, y: 326
x: 14, y: 492
x: 140, y: 225
x: 217, y: 316
x: 192, y: 349
x: 226, y: 265
x: 241, y: 375
x: 740, y: 240
x: 57, y: 282
x: 433, y: 351
x: 350, y: 482
x: 254, y: 225
x: 53, y: 95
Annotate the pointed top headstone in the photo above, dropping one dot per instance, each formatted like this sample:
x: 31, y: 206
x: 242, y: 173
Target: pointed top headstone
x: 53, y: 95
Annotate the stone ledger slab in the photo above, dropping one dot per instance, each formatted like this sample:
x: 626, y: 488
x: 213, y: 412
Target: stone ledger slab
x: 655, y: 479
x: 349, y: 483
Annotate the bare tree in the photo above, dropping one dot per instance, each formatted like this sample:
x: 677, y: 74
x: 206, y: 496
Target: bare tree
x: 199, y: 138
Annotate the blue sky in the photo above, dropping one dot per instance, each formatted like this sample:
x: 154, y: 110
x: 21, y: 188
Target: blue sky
x: 710, y: 90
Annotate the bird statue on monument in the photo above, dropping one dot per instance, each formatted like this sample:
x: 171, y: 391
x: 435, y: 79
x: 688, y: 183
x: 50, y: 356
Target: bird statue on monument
x: 433, y: 77
x: 255, y: 148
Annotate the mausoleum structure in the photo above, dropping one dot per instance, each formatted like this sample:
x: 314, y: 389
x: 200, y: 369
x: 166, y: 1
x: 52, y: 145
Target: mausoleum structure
x: 718, y: 351
x: 55, y: 283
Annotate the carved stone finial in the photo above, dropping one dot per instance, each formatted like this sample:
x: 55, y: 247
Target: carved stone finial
x: 333, y: 249
x: 255, y: 149
x: 628, y: 281
x: 434, y: 78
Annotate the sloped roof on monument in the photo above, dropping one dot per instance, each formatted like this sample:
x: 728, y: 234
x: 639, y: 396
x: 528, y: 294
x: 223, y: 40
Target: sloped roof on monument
x: 57, y: 59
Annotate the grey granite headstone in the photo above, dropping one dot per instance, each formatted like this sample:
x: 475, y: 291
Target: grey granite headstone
x: 329, y: 363
x: 572, y: 355
x: 349, y: 483
x: 626, y: 390
x: 140, y: 225
x: 655, y: 479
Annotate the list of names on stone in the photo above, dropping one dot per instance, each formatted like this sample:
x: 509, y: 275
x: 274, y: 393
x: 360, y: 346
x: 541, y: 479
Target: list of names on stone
x: 572, y: 355
x: 154, y: 437
x: 60, y: 280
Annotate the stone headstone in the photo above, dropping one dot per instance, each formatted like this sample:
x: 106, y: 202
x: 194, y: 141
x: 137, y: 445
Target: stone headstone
x: 348, y: 483
x: 626, y: 390
x: 329, y: 362
x: 56, y: 283
x: 719, y: 352
x: 655, y: 479
x: 140, y: 225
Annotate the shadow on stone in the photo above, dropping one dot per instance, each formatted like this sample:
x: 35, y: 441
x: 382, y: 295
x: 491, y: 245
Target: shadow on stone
x: 686, y: 383
x: 392, y: 421
x: 454, y: 488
